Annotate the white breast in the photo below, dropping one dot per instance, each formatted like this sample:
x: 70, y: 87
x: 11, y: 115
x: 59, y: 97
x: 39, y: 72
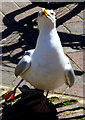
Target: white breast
x: 47, y: 65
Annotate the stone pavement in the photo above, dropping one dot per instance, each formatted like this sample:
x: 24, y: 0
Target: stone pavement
x: 18, y: 33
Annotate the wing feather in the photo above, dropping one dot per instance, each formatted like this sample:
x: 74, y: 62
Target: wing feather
x: 70, y: 76
x: 24, y: 63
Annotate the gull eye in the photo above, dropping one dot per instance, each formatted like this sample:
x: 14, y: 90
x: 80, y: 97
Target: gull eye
x: 52, y: 13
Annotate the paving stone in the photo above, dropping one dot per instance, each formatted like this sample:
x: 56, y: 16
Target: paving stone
x: 72, y: 6
x: 84, y: 59
x: 73, y: 90
x: 10, y: 10
x: 32, y: 11
x: 72, y: 114
x: 60, y: 12
x: 68, y: 111
x: 76, y: 28
x: 11, y: 57
x: 23, y: 8
x: 79, y: 10
x: 6, y: 57
x: 20, y: 17
x: 74, y: 20
x: 61, y: 28
x: 8, y: 67
x: 77, y: 57
x: 6, y: 1
x: 70, y: 107
x: 26, y: 11
x: 11, y: 39
x: 23, y: 4
x: 84, y: 15
x: 10, y: 53
x: 8, y: 7
x: 7, y: 78
x: 0, y: 5
x: 1, y: 19
x: 69, y: 50
x: 81, y: 14
x: 2, y: 28
x: 16, y: 51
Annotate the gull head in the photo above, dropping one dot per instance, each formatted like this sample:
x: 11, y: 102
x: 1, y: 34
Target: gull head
x: 46, y: 18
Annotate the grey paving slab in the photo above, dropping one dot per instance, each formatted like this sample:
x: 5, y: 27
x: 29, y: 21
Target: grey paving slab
x: 62, y: 28
x: 9, y: 67
x: 74, y: 19
x: 19, y: 17
x: 60, y: 12
x: 8, y: 7
x: 76, y: 28
x: 1, y: 19
x: 70, y: 15
x: 32, y: 10
x: 81, y: 14
x: 12, y: 38
x: 25, y: 10
x: 23, y: 4
x: 78, y: 58
x: 7, y: 78
x: 2, y: 28
x: 75, y: 90
x: 69, y: 50
x: 72, y: 6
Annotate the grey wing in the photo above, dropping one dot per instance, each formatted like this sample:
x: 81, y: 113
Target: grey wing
x: 70, y: 76
x: 29, y: 52
x: 24, y: 63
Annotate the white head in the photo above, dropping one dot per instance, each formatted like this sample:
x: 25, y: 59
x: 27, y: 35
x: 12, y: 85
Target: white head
x: 46, y: 18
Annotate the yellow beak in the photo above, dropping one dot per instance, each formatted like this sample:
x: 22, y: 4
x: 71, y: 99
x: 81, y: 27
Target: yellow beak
x: 44, y: 12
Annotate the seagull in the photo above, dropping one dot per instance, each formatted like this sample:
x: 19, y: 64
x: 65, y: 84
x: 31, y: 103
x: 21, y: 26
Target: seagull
x: 46, y: 67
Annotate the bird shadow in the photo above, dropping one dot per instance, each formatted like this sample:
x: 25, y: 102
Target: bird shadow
x: 28, y: 105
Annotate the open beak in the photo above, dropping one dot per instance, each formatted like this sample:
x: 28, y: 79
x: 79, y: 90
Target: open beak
x: 44, y: 12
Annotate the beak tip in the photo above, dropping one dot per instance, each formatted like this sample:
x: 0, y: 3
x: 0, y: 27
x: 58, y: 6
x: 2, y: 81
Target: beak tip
x: 43, y: 9
x: 44, y: 12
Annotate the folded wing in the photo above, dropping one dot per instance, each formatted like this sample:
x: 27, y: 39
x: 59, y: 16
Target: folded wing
x: 24, y: 63
x: 69, y: 74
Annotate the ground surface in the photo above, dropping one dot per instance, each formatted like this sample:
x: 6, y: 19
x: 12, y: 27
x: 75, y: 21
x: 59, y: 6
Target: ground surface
x: 18, y: 32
